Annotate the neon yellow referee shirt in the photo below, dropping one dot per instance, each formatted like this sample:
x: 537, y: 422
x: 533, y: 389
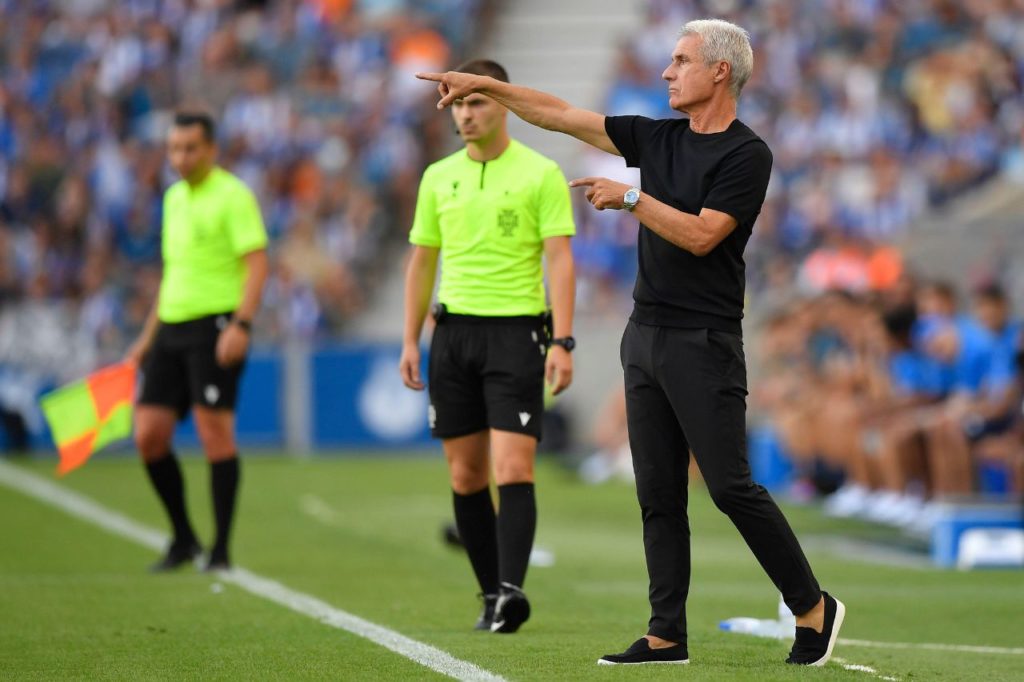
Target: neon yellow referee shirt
x: 206, y: 231
x: 490, y: 220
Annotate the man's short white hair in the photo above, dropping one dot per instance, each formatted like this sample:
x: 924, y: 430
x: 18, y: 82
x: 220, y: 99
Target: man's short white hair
x: 724, y: 42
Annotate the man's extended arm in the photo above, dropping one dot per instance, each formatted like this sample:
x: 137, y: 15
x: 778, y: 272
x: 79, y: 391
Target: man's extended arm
x: 533, y: 106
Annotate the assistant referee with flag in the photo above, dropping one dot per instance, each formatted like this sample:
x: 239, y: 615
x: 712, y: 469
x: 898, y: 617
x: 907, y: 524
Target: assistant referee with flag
x: 495, y: 210
x: 195, y: 341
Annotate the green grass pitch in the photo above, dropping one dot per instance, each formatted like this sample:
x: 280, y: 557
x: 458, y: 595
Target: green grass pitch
x: 363, y: 534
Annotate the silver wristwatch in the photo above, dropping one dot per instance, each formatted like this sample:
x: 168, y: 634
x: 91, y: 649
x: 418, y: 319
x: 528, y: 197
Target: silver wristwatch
x: 630, y: 200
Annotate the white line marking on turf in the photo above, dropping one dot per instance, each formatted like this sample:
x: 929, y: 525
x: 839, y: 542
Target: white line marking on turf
x: 855, y: 667
x: 965, y: 648
x: 83, y: 508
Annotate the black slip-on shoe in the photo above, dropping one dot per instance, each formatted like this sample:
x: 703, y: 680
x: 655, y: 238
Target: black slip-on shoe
x: 178, y: 554
x: 487, y: 614
x: 511, y: 610
x: 815, y: 648
x: 641, y: 652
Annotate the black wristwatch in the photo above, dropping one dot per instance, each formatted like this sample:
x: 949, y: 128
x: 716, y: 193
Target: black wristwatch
x: 566, y: 342
x: 246, y: 325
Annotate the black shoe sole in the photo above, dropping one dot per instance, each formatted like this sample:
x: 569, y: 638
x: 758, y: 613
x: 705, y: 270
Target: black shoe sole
x: 513, y: 615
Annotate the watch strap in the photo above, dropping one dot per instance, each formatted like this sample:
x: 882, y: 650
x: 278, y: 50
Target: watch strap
x: 566, y: 342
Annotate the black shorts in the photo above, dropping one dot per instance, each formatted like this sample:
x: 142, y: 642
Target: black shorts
x: 487, y: 372
x: 181, y: 368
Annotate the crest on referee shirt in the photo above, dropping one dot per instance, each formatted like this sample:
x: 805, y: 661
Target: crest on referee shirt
x: 508, y: 221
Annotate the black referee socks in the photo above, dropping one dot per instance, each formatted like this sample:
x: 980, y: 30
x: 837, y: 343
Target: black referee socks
x: 165, y: 474
x: 475, y: 519
x: 224, y: 476
x: 517, y: 523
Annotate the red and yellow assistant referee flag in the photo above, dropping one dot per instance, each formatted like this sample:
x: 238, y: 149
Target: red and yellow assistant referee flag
x: 90, y: 413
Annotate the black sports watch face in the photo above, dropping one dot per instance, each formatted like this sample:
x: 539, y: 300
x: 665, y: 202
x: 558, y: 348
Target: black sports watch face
x: 566, y: 342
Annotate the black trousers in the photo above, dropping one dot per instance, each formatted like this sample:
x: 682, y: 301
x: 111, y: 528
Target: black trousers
x: 686, y: 391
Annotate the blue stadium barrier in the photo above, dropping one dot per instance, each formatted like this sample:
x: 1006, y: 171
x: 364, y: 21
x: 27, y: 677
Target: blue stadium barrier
x: 260, y: 418
x: 769, y: 464
x: 356, y: 398
x: 953, y: 520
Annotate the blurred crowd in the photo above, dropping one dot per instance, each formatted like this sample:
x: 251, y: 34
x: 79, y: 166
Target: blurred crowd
x: 875, y: 110
x: 892, y: 402
x: 885, y: 403
x: 318, y: 110
x: 885, y: 393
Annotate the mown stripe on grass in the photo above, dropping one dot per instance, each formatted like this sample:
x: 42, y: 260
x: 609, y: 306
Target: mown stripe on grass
x: 85, y: 509
x: 963, y: 648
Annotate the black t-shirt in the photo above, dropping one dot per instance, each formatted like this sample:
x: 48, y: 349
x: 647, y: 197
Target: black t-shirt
x: 727, y: 172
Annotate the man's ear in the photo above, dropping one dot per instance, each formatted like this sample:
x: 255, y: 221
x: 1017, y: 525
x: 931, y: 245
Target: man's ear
x: 724, y: 68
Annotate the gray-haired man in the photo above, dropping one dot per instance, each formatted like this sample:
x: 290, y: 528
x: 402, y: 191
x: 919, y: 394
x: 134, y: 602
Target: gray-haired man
x: 703, y: 182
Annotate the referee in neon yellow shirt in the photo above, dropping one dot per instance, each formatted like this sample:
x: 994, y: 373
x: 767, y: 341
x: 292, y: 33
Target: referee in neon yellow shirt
x: 495, y: 210
x: 195, y: 341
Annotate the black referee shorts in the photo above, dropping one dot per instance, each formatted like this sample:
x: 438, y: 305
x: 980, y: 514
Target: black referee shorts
x: 487, y: 372
x: 181, y: 368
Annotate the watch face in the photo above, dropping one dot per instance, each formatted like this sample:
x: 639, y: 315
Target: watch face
x: 567, y: 343
x: 632, y: 196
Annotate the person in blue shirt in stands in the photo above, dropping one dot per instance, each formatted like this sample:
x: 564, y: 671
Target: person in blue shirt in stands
x: 954, y: 369
x: 985, y: 394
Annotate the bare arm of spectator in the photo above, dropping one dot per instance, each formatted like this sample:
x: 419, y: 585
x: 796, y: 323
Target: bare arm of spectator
x: 533, y: 106
x: 419, y: 286
x: 562, y: 278
x: 233, y: 342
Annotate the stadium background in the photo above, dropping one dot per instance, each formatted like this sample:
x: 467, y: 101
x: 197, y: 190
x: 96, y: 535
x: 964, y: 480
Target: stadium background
x: 882, y: 116
x: 897, y: 129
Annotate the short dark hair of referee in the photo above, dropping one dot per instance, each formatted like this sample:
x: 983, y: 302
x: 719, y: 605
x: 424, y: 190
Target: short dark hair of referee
x: 497, y: 211
x: 193, y: 347
x: 704, y: 180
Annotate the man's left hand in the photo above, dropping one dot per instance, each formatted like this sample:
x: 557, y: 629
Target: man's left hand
x: 558, y: 369
x: 602, y: 192
x: 232, y: 345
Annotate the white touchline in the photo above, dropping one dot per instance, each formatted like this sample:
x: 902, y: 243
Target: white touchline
x: 83, y: 508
